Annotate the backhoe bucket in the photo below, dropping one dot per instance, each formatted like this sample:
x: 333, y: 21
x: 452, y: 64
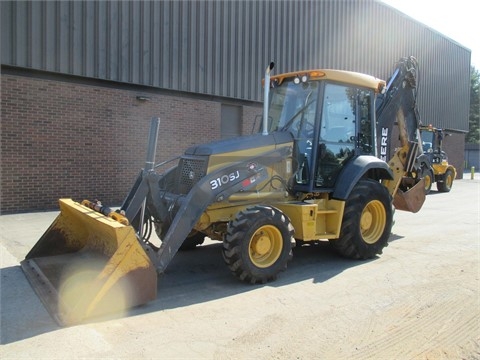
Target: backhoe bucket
x: 88, y: 265
x: 411, y: 200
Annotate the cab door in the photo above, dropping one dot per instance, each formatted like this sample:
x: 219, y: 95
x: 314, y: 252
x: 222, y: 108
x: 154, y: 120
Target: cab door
x: 345, y: 130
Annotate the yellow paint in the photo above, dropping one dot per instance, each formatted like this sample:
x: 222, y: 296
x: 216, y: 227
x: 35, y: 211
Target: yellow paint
x: 348, y: 77
x: 314, y: 219
x: 91, y: 265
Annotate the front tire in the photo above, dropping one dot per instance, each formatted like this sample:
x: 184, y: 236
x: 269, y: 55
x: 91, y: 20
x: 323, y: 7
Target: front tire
x: 446, y: 184
x: 428, y: 177
x: 258, y: 244
x: 367, y: 221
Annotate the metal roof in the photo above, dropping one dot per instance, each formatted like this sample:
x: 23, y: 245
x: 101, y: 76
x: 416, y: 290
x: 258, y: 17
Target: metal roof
x: 220, y: 48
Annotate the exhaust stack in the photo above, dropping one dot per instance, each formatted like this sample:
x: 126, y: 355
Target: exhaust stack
x: 152, y: 143
x: 265, y: 98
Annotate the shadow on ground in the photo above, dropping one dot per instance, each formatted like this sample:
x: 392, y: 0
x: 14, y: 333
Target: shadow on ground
x: 192, y: 277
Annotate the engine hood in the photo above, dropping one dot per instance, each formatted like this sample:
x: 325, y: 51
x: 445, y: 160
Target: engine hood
x: 240, y: 143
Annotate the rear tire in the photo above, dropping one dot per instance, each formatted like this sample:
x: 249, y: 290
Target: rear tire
x: 446, y: 184
x: 258, y: 244
x: 367, y: 221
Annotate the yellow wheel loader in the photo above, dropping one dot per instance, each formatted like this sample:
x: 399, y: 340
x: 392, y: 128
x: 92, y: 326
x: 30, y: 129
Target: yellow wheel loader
x: 434, y: 160
x: 320, y: 169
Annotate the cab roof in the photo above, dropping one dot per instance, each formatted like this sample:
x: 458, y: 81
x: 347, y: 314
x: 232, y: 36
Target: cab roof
x: 349, y: 77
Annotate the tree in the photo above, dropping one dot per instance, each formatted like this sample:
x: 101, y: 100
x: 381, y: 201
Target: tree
x: 473, y: 136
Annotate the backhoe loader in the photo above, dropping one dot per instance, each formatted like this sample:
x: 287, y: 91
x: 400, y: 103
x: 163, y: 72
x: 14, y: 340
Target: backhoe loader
x: 434, y: 160
x: 319, y: 169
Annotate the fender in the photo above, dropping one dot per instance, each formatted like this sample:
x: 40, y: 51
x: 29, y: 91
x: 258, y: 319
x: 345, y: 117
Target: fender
x: 355, y: 170
x: 449, y: 167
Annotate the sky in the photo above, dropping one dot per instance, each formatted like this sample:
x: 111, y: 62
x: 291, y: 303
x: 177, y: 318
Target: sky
x: 457, y: 19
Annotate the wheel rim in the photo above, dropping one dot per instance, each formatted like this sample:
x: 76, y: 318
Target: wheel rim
x: 449, y: 180
x: 265, y: 246
x: 372, y: 221
x: 428, y: 182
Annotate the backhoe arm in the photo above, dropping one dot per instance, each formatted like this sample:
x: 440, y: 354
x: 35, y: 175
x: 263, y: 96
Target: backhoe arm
x: 398, y: 106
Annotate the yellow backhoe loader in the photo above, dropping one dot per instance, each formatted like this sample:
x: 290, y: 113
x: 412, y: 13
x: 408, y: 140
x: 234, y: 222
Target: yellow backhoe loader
x: 434, y: 160
x: 319, y: 169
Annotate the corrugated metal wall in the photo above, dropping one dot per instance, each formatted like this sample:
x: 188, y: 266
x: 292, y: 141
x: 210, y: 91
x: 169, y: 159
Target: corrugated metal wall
x: 221, y: 48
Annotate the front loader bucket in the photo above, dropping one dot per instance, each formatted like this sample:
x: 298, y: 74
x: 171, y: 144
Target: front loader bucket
x: 87, y: 265
x: 411, y: 200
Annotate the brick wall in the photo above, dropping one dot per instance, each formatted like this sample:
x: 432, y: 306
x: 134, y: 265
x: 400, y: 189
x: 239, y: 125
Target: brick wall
x: 63, y: 139
x: 454, y: 146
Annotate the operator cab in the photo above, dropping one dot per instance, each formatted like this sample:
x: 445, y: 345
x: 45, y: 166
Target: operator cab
x: 330, y: 115
x: 432, y: 139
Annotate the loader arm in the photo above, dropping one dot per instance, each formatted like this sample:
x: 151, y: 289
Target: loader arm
x: 242, y: 177
x: 147, y: 194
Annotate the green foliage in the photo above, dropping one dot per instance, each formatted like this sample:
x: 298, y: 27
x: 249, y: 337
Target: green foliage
x: 473, y: 135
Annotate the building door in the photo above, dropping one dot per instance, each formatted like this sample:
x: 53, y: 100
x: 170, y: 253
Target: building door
x: 231, y: 122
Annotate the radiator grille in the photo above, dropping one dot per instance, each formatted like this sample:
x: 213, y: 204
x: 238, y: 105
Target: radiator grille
x: 191, y: 170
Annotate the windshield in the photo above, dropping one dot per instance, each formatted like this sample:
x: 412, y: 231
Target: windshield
x: 427, y: 141
x: 292, y: 105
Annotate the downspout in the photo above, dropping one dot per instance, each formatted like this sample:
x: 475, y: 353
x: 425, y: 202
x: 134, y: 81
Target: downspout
x: 265, y: 98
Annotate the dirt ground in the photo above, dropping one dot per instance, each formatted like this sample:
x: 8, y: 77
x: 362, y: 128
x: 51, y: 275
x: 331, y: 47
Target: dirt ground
x: 419, y: 300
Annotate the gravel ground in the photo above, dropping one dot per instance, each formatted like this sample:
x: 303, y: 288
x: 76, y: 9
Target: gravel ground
x: 419, y: 300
